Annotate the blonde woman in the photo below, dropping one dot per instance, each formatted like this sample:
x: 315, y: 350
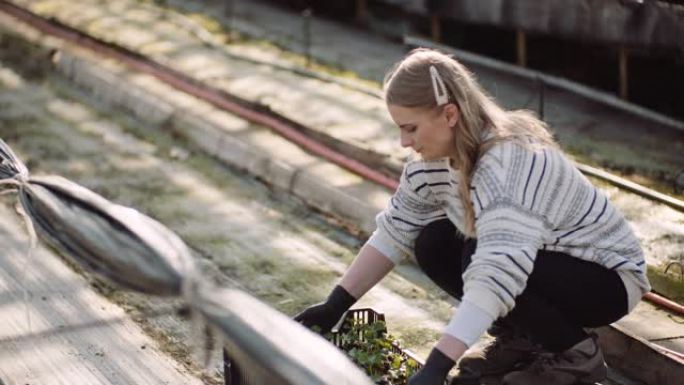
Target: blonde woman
x: 497, y: 216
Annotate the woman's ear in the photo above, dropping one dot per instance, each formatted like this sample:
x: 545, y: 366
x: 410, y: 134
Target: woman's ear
x: 452, y: 114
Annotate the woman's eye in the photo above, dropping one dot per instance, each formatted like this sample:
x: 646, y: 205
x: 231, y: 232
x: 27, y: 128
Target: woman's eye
x: 411, y: 129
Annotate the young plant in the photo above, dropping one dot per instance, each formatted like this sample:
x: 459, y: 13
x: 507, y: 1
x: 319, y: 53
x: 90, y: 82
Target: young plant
x: 376, y: 351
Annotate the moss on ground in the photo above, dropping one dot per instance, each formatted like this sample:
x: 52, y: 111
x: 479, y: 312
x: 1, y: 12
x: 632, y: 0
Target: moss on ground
x: 670, y: 284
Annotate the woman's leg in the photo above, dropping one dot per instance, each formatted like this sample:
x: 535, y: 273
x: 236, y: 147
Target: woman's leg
x: 564, y: 295
x: 443, y: 254
x: 439, y: 250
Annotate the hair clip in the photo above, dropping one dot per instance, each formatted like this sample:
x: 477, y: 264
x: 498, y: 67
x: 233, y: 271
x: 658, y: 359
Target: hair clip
x: 439, y: 87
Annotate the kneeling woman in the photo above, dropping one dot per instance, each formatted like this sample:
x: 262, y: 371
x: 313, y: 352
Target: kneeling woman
x: 499, y: 218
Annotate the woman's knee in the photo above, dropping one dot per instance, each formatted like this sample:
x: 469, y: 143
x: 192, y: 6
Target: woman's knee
x: 435, y: 240
x: 595, y: 297
x: 438, y: 253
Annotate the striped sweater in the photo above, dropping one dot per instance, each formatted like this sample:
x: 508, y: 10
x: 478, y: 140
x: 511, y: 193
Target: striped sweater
x: 524, y: 200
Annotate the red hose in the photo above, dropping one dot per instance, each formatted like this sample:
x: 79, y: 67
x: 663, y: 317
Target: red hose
x: 221, y: 100
x: 188, y: 85
x: 664, y: 302
x: 669, y: 352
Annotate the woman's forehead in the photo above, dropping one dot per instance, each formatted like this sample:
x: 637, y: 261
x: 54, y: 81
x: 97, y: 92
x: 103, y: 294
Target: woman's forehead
x: 406, y: 114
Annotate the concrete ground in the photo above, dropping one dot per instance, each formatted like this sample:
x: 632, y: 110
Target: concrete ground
x: 359, y: 120
x: 57, y: 330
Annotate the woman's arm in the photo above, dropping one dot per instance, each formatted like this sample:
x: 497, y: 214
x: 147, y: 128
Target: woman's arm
x: 369, y: 267
x: 451, y: 346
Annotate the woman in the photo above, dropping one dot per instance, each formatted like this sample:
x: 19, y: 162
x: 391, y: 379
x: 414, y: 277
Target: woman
x: 498, y: 217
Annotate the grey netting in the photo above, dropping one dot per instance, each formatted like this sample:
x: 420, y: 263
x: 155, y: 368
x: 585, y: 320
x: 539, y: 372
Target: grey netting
x: 120, y: 243
x: 139, y: 253
x: 117, y: 242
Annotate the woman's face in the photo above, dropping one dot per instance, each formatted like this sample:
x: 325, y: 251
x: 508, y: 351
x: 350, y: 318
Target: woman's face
x: 428, y: 131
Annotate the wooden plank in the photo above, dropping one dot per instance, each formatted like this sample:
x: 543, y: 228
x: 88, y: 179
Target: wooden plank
x: 435, y: 29
x: 624, y: 76
x: 521, y: 47
x: 361, y: 11
x: 54, y: 350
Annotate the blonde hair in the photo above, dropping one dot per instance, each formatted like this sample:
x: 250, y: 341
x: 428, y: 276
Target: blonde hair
x: 482, y: 122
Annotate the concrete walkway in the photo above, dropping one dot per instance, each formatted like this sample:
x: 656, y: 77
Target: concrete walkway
x: 44, y: 337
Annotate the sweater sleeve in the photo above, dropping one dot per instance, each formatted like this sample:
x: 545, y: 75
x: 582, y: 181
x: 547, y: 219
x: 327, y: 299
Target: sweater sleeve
x: 510, y: 229
x: 411, y: 207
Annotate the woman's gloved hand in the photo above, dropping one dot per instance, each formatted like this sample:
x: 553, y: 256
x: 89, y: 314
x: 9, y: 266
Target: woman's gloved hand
x: 435, y: 370
x: 326, y: 314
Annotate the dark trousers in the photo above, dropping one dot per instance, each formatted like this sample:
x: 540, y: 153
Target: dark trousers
x: 563, y: 295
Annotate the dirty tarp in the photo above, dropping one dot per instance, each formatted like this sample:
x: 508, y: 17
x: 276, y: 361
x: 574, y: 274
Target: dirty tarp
x: 117, y: 242
x: 651, y: 24
x: 139, y: 253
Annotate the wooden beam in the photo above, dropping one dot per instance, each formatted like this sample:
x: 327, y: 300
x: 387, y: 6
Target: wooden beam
x: 361, y: 11
x: 624, y: 75
x: 435, y: 29
x: 521, y: 47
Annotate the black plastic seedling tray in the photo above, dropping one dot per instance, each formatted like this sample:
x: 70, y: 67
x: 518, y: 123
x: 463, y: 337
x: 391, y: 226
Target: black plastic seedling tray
x: 364, y: 316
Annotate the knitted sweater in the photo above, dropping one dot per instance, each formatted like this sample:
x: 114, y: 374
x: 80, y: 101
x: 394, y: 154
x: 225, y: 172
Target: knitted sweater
x: 524, y: 200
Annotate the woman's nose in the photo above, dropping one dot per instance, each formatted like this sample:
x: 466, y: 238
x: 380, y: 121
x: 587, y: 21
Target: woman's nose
x: 406, y: 140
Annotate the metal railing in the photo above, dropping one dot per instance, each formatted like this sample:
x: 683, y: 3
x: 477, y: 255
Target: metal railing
x: 135, y: 252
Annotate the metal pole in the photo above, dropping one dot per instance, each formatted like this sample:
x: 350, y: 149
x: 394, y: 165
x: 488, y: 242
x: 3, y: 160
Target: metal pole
x: 521, y: 48
x: 307, y: 35
x: 435, y: 29
x: 229, y: 12
x: 361, y: 11
x: 624, y: 82
x: 542, y: 86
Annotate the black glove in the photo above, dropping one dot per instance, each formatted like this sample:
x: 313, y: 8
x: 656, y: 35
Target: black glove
x: 435, y: 370
x: 326, y: 314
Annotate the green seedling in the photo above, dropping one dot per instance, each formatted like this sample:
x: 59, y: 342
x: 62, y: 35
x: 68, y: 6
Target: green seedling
x: 376, y: 352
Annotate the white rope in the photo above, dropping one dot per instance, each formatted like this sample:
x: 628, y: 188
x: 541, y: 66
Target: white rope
x: 16, y: 175
x: 28, y: 260
x: 22, y: 178
x: 11, y: 181
x: 200, y: 331
x: 8, y: 192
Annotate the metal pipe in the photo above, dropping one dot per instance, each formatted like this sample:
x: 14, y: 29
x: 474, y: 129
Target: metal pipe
x: 306, y: 38
x: 664, y: 302
x: 541, y: 98
x: 633, y: 187
x: 229, y: 12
